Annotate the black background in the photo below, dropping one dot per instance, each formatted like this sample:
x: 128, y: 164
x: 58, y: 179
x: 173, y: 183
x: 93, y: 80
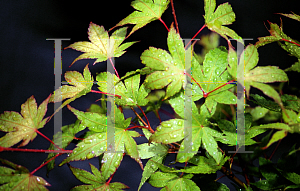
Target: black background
x: 27, y: 58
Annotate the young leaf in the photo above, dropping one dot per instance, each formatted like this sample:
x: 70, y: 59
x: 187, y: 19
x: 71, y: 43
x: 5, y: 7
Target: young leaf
x: 101, y: 47
x: 81, y: 85
x: 18, y: 178
x: 278, y: 35
x: 146, y: 11
x: 169, y: 69
x: 24, y: 126
x: 222, y: 16
x: 278, y: 135
x: 96, y: 144
x: 131, y: 92
x: 214, y: 77
x: 94, y: 180
x: 292, y: 16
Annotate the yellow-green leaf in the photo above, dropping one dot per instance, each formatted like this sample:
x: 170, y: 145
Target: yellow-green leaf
x: 24, y: 126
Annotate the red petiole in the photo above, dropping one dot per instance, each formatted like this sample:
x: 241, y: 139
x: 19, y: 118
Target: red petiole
x: 290, y: 42
x: 98, y: 92
x: 31, y: 173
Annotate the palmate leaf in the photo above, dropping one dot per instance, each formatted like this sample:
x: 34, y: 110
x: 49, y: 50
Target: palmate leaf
x: 171, y: 181
x: 96, y: 144
x: 94, y: 180
x: 130, y: 92
x: 23, y: 127
x: 169, y: 69
x: 66, y: 136
x: 203, y: 165
x: 257, y: 77
x: 101, y: 47
x: 155, y: 150
x: 146, y: 11
x: 201, y: 132
x: 216, y: 19
x: 81, y: 85
x: 276, y: 35
x: 19, y: 178
x: 229, y: 136
x: 214, y: 75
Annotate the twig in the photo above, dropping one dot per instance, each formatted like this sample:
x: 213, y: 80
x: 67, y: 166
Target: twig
x: 232, y: 177
x: 174, y: 15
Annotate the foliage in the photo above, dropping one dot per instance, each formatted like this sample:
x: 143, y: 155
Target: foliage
x: 199, y: 133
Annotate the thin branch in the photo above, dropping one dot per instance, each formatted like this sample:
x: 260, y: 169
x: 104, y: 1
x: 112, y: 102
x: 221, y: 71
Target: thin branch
x: 275, y: 149
x: 31, y: 173
x: 174, y: 15
x: 38, y: 132
x: 164, y: 24
x: 114, y: 67
x: 35, y: 150
x: 232, y: 177
x: 195, y: 35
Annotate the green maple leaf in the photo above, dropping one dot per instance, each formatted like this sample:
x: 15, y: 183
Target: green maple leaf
x: 156, y: 152
x: 146, y: 11
x: 23, y: 127
x: 213, y: 76
x: 173, y: 130
x: 171, y: 181
x: 169, y: 69
x: 130, y: 92
x: 216, y: 19
x: 101, y: 47
x: 19, y: 178
x: 96, y: 143
x: 81, y: 85
x: 94, y: 180
x: 66, y: 136
x: 258, y: 76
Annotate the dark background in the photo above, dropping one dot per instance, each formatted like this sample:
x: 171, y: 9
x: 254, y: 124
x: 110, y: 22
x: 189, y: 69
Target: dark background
x: 27, y: 58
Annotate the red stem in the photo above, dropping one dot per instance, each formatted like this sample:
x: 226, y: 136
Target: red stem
x: 107, y: 183
x: 196, y: 82
x: 156, y: 111
x: 195, y: 35
x: 98, y: 92
x: 114, y: 67
x: 61, y: 151
x: 164, y: 24
x: 290, y: 42
x: 174, y: 15
x: 149, y: 127
x: 136, y: 127
x: 31, y: 173
x: 220, y: 87
x: 275, y: 149
x: 37, y: 131
x: 167, y: 113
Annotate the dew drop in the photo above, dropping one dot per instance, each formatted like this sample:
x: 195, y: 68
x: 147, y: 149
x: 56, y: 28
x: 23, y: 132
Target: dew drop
x: 158, y: 128
x: 90, y: 155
